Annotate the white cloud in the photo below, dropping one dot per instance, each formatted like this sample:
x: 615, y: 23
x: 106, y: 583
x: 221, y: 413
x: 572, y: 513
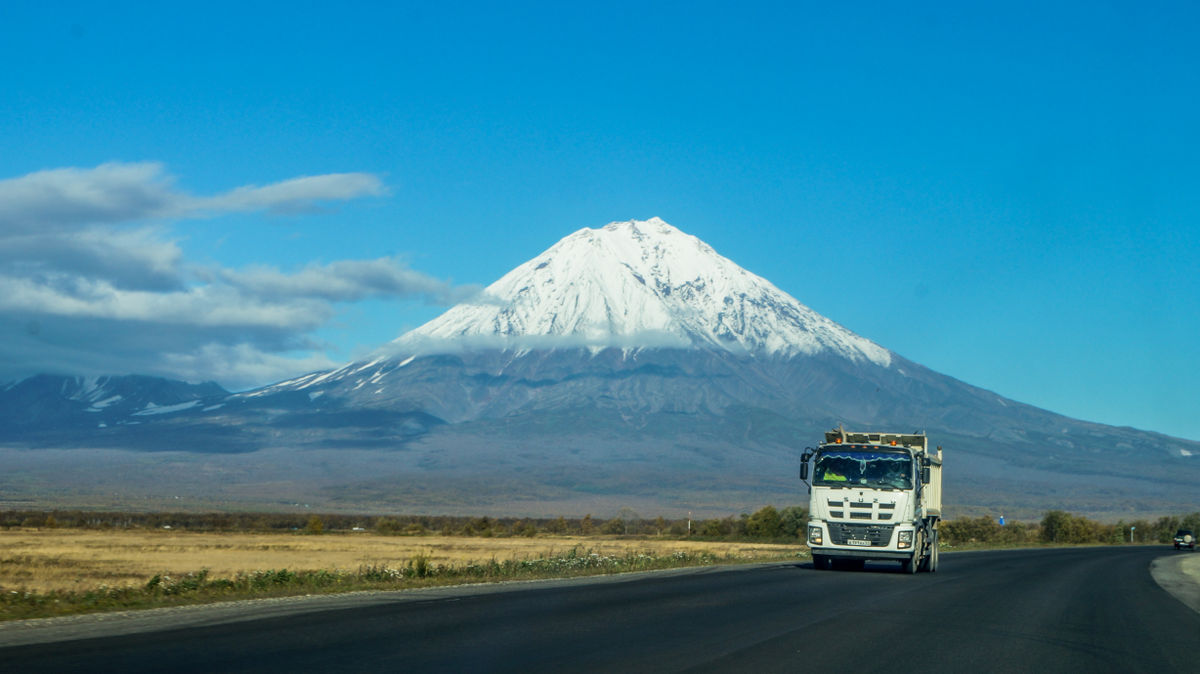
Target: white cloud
x: 137, y: 258
x: 55, y: 200
x: 242, y: 366
x: 296, y: 194
x: 89, y: 286
x: 410, y: 344
x: 203, y: 306
x: 348, y: 281
x: 93, y: 347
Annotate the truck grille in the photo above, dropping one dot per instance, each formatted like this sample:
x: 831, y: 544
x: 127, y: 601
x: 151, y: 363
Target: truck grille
x: 879, y: 534
x: 861, y: 510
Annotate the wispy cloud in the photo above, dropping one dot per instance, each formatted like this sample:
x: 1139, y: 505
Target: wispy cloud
x: 92, y: 282
x: 66, y: 198
x: 58, y: 199
x: 295, y: 194
x: 348, y: 281
x: 206, y: 306
x: 410, y: 344
x: 242, y: 362
x: 138, y: 258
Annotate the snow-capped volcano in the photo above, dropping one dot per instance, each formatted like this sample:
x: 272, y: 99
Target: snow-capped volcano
x: 517, y: 402
x: 637, y: 284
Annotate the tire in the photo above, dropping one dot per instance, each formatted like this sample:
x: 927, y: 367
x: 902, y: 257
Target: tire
x: 917, y: 563
x: 933, y: 565
x: 820, y: 562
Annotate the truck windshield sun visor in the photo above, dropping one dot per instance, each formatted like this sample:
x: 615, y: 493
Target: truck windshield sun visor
x: 874, y: 469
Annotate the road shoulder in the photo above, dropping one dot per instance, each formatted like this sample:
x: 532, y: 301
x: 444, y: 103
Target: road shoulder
x: 1179, y: 574
x: 119, y: 623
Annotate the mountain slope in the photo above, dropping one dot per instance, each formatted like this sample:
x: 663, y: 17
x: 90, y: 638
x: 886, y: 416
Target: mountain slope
x: 51, y: 400
x: 626, y: 365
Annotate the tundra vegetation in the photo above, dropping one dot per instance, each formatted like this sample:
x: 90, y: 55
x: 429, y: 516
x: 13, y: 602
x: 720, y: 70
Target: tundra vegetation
x: 63, y: 562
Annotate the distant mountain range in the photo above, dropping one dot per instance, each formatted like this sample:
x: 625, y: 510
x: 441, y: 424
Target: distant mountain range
x: 626, y: 366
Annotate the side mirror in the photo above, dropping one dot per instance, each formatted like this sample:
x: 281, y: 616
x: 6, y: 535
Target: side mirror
x: 804, y: 471
x: 925, y: 475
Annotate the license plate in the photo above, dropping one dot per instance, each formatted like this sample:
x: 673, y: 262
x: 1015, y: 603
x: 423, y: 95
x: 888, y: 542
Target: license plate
x: 851, y: 541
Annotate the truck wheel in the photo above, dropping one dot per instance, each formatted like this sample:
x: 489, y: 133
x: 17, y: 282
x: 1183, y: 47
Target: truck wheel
x: 933, y: 563
x: 917, y: 563
x: 927, y: 563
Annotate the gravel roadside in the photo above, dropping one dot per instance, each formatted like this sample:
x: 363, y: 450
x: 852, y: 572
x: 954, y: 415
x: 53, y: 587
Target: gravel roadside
x: 1179, y: 574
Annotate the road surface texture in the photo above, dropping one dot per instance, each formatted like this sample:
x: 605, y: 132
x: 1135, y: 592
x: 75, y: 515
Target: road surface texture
x: 1059, y: 610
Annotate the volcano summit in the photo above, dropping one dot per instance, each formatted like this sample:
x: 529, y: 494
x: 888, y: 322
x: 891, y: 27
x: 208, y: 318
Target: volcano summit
x: 639, y: 285
x: 629, y: 365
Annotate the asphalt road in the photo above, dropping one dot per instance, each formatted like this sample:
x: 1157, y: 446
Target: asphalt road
x: 1076, y: 610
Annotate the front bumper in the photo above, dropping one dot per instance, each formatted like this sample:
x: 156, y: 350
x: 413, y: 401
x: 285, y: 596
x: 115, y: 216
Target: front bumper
x: 862, y: 553
x: 829, y: 539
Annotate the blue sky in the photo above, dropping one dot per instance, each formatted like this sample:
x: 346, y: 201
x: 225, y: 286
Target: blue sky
x: 1006, y: 194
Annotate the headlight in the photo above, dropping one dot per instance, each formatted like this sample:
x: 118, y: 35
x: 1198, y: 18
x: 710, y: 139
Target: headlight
x: 905, y: 539
x: 815, y: 536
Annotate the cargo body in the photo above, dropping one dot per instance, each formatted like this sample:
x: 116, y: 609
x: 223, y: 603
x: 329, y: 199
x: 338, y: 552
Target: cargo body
x: 874, y: 496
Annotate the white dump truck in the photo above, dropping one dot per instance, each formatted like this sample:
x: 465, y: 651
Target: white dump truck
x: 874, y: 496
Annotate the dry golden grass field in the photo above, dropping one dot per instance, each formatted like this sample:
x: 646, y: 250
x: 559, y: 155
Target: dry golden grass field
x: 65, y: 559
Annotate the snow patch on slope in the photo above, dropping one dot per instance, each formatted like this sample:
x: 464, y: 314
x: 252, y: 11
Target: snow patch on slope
x: 152, y: 408
x: 99, y: 405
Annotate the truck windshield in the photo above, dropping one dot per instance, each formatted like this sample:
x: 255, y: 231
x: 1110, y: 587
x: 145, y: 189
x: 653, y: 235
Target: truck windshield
x: 880, y: 470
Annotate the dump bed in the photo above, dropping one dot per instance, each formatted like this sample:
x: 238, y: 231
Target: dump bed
x: 931, y: 494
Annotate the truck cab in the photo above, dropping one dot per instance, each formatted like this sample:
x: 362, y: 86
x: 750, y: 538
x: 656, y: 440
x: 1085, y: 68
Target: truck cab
x: 874, y: 496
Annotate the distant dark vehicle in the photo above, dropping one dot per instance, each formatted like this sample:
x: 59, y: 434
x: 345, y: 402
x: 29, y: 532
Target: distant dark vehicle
x: 1184, y: 538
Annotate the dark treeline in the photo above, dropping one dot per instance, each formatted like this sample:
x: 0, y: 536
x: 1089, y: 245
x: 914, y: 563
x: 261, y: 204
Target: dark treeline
x: 765, y: 524
x: 1063, y: 527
